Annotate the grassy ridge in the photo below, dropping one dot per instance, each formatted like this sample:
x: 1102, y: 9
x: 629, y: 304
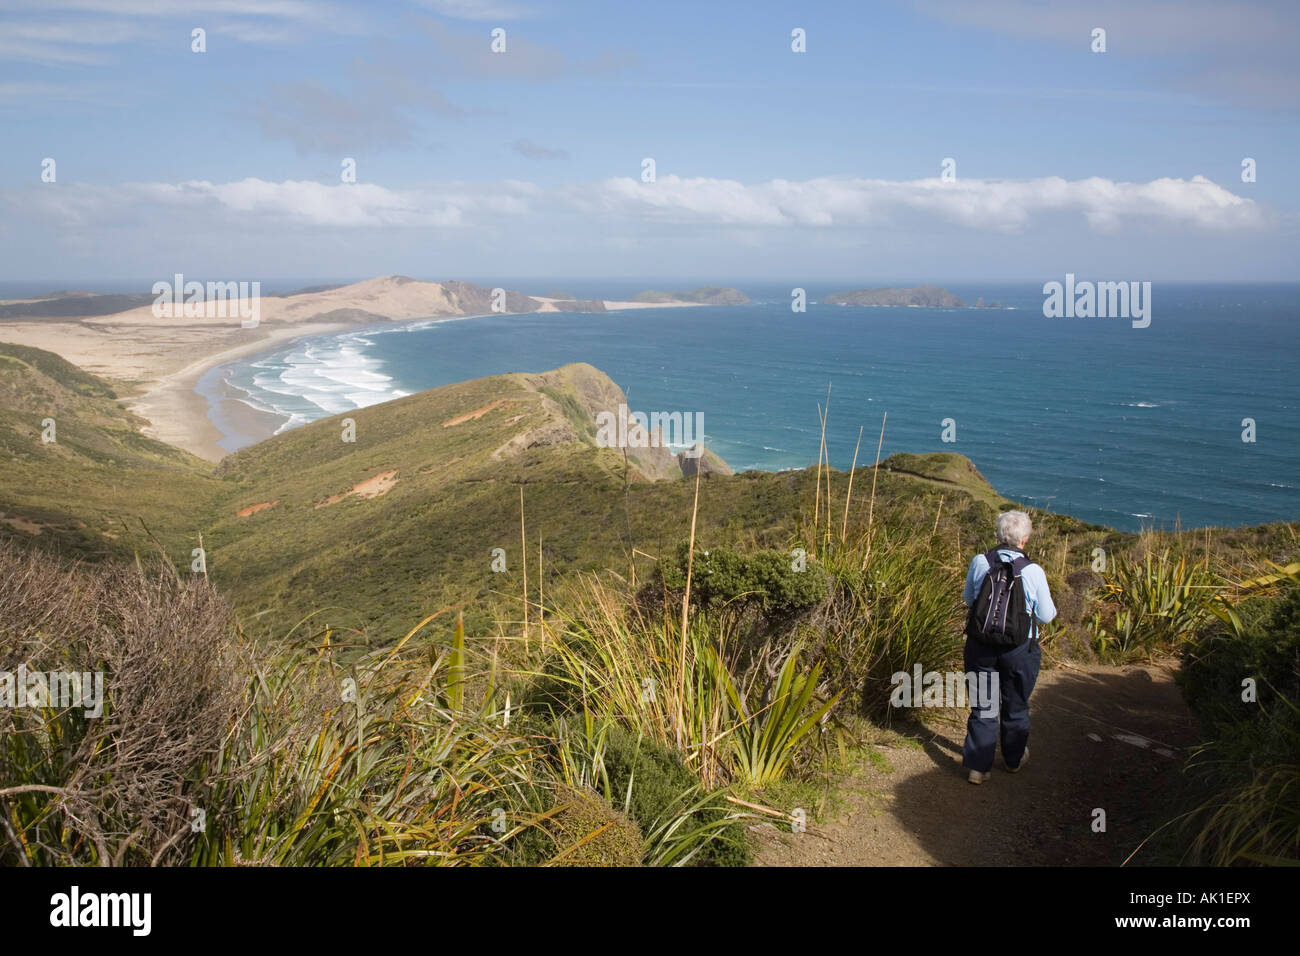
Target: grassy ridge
x: 430, y: 536
x: 458, y: 457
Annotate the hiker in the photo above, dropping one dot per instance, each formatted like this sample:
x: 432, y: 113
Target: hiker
x: 1008, y: 597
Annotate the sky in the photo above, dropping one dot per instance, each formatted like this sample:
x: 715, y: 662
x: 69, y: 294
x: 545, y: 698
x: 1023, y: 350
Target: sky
x: 768, y: 162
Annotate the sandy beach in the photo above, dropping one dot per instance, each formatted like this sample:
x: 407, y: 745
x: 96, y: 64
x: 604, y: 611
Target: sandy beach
x: 178, y: 411
x: 155, y: 370
x: 238, y: 421
x: 158, y: 364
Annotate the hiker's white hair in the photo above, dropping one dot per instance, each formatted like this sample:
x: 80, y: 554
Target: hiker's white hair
x: 1014, y: 527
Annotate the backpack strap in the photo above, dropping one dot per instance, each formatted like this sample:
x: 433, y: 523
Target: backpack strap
x: 1018, y: 563
x: 1018, y: 566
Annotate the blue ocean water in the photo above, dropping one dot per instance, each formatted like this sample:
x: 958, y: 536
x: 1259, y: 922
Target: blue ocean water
x: 1126, y: 427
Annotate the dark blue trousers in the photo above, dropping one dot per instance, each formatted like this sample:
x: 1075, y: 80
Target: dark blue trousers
x: 1017, y: 671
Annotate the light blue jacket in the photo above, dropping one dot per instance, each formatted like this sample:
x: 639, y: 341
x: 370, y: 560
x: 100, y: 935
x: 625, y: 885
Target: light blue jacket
x: 1038, y: 600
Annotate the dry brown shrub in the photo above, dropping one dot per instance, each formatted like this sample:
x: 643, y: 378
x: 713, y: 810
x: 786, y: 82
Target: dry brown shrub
x: 119, y: 788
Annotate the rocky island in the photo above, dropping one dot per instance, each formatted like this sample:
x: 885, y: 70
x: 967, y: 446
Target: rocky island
x: 921, y: 296
x: 701, y: 295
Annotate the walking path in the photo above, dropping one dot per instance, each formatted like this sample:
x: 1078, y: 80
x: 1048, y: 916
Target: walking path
x: 1109, y: 738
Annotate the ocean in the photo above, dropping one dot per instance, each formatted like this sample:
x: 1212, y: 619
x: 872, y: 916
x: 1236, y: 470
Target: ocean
x: 1128, y: 427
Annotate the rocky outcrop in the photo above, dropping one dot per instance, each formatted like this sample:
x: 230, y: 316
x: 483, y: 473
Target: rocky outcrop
x: 556, y: 432
x: 921, y: 296
x: 706, y: 464
x: 474, y: 299
x: 588, y: 398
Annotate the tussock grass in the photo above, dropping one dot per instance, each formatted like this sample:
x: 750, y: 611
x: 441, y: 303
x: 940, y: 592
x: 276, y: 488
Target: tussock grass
x: 1151, y: 605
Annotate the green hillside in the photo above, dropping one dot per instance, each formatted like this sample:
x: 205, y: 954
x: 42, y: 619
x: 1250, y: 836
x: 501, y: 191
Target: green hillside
x: 454, y: 461
x: 98, y: 472
x: 372, y: 532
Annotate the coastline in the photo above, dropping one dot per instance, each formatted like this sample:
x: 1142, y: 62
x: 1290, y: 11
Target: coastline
x: 162, y: 367
x: 239, y: 422
x: 208, y: 417
x: 180, y: 412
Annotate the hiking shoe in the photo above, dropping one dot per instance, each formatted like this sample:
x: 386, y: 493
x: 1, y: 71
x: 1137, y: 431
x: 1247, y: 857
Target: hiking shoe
x: 976, y: 777
x: 1016, y: 768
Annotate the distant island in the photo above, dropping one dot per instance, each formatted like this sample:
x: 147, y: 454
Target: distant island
x: 921, y: 296
x: 701, y: 295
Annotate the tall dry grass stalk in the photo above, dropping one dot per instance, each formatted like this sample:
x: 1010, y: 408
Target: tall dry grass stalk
x: 937, y: 513
x: 827, y: 538
x: 844, y: 525
x: 523, y: 550
x: 817, y: 493
x: 871, y: 509
x: 686, y: 602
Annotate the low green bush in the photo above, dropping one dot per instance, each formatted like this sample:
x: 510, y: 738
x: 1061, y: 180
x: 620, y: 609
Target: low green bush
x: 1266, y: 650
x: 774, y: 582
x: 583, y: 830
x: 1251, y: 761
x: 651, y: 780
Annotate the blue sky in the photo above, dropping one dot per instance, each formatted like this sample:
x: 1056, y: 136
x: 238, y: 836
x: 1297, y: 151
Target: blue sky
x: 769, y: 163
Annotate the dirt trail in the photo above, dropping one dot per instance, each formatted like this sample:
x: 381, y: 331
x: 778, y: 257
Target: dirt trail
x: 1113, y: 738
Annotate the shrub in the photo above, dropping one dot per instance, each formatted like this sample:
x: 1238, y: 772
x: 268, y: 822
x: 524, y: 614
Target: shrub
x: 1266, y: 648
x: 731, y: 712
x: 204, y: 755
x: 658, y: 789
x: 1251, y: 760
x: 893, y: 604
x: 774, y: 730
x: 767, y: 579
x: 365, y: 762
x: 1150, y: 606
x: 584, y: 831
x: 117, y: 788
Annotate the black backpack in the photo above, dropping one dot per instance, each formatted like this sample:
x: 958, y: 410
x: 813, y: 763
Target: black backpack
x: 998, y: 616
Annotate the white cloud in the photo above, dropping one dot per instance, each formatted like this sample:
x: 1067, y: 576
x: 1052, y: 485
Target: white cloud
x: 970, y: 205
x: 83, y: 36
x: 61, y: 44
x: 292, y: 202
x: 295, y: 9
x: 1003, y: 205
x: 465, y: 54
